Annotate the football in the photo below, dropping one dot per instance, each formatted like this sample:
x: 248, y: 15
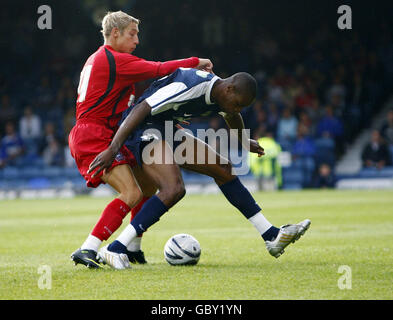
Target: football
x: 182, y: 249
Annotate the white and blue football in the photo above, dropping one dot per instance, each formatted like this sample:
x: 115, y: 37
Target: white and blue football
x: 182, y: 249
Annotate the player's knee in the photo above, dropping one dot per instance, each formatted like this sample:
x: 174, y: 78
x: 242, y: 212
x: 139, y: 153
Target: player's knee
x: 180, y: 192
x: 177, y: 192
x: 224, y: 173
x: 226, y: 168
x: 149, y: 191
x: 174, y: 192
x: 132, y: 198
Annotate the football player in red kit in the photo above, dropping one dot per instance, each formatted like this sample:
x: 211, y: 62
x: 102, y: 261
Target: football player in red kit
x: 106, y: 89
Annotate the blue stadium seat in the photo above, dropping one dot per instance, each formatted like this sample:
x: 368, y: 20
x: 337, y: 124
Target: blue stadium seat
x: 71, y: 172
x: 391, y: 153
x: 387, y: 171
x: 307, y: 166
x: 292, y: 186
x: 78, y: 181
x: 39, y: 183
x: 3, y: 185
x: 325, y: 151
x: 31, y: 172
x: 52, y: 172
x: 368, y: 173
x: 58, y: 182
x: 285, y: 145
x: 306, y: 163
x: 10, y: 173
x: 292, y: 175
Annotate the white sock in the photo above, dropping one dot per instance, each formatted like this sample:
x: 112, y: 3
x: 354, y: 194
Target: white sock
x: 260, y: 222
x: 127, y: 235
x: 135, y: 244
x: 91, y: 243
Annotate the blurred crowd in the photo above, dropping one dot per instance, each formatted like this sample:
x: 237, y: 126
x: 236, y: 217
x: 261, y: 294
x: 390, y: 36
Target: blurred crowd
x: 318, y: 87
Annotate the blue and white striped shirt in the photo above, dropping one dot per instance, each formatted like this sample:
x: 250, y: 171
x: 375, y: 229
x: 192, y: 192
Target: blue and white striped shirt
x: 182, y: 95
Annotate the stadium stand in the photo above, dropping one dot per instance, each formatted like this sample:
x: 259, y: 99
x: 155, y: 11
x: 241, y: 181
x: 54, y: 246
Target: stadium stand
x: 328, y: 82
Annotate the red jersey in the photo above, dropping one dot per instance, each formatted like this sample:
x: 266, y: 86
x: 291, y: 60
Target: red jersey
x: 107, y: 82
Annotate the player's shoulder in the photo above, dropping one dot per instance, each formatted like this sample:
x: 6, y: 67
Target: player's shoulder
x: 118, y: 56
x: 191, y: 76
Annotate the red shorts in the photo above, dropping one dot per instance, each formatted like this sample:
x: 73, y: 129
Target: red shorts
x: 87, y: 139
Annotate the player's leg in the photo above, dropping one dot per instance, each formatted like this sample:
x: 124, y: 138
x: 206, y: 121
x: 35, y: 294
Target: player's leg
x: 276, y: 239
x: 86, y: 140
x: 122, y: 180
x: 167, y: 176
x: 230, y: 185
x: 149, y: 189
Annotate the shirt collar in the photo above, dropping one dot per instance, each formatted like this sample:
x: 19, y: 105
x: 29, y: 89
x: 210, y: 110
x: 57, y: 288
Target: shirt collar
x: 209, y: 89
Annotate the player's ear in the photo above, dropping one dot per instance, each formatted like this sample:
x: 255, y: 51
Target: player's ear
x: 230, y: 89
x: 115, y: 32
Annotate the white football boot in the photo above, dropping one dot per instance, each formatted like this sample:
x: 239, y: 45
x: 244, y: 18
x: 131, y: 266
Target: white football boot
x: 117, y: 261
x: 287, y: 234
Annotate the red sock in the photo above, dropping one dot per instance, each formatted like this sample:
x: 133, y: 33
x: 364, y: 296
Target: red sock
x: 137, y: 208
x: 111, y: 219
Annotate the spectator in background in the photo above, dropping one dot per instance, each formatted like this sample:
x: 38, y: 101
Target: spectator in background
x: 53, y: 153
x: 324, y: 177
x: 305, y: 120
x: 267, y: 169
x: 331, y: 126
x: 213, y: 30
x: 376, y: 154
x: 304, y: 98
x: 68, y: 123
x: 315, y: 112
x: 275, y: 92
x: 387, y: 128
x: 303, y: 153
x: 287, y: 127
x: 47, y: 141
x: 12, y: 146
x: 304, y: 145
x: 45, y: 95
x: 337, y: 92
x: 7, y: 111
x: 29, y: 125
x: 273, y: 116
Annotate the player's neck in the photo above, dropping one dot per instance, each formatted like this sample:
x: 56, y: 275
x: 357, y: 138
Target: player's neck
x: 215, y: 92
x: 111, y: 44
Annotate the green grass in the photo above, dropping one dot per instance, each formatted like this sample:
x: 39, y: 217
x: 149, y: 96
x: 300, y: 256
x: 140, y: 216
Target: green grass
x: 351, y: 228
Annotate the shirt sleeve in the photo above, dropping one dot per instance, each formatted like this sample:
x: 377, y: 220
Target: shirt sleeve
x: 137, y: 69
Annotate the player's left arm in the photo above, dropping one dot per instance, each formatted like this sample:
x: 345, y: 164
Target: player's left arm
x: 235, y: 121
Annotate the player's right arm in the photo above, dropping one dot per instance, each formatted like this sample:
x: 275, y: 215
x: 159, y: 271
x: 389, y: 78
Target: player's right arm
x: 131, y: 122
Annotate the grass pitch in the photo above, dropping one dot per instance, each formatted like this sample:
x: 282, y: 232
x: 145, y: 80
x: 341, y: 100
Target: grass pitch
x: 350, y: 228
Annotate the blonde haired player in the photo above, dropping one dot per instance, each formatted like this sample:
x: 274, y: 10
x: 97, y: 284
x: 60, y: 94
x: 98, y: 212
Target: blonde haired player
x: 106, y: 88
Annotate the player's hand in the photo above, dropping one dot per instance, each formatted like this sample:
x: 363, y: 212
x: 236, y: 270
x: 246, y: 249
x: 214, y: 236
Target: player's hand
x: 256, y: 148
x: 102, y: 161
x: 205, y: 65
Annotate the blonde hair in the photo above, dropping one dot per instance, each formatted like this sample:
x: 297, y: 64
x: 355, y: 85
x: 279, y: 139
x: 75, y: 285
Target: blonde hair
x: 118, y: 19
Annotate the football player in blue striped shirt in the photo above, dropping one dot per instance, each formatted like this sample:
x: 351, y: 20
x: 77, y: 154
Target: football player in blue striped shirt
x: 181, y: 96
